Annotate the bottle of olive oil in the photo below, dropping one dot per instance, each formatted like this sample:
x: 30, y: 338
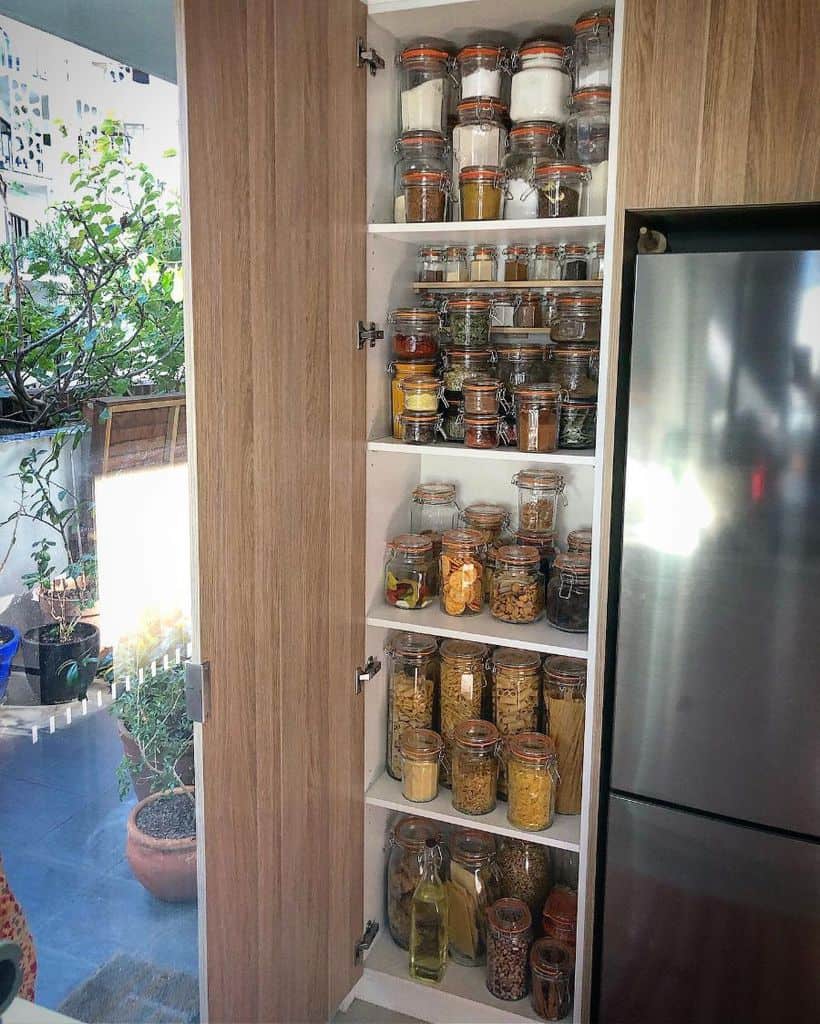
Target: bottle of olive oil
x: 428, y: 922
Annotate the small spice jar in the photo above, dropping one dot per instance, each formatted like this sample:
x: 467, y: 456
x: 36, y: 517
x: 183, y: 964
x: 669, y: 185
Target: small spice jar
x: 568, y: 593
x: 551, y: 968
x: 409, y: 573
x: 509, y: 936
x: 420, y: 427
x: 521, y: 364
x: 421, y: 394
x: 578, y: 419
x: 596, y: 262
x: 480, y: 135
x: 399, y: 371
x: 560, y: 917
x: 424, y: 81
x: 592, y: 48
x: 462, y: 572
x: 482, y: 396
x: 481, y: 191
x: 430, y: 264
x: 546, y: 263
x: 468, y: 321
x: 516, y: 696
x: 483, y: 263
x: 481, y: 68
x: 412, y: 677
x: 416, y: 151
x: 537, y: 408
x: 456, y: 268
x: 576, y: 263
x: 425, y: 196
x: 561, y: 189
x: 580, y: 540
x: 463, y: 364
x: 544, y: 542
x: 463, y: 683
x: 526, y: 872
x: 569, y: 367
x: 482, y: 430
x: 529, y: 144
x: 452, y: 422
x: 473, y: 887
x: 475, y: 766
x: 517, y: 587
x: 415, y: 333
x: 528, y: 311
x: 516, y: 263
x: 503, y: 311
x: 577, y: 318
x: 538, y: 491
x: 565, y: 681
x: 532, y: 781
x: 404, y: 870
x: 420, y: 751
x: 541, y: 82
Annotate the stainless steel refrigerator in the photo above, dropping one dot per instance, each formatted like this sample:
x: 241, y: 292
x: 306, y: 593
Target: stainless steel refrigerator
x: 711, y: 882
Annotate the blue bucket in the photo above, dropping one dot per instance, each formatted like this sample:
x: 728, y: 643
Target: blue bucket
x: 8, y: 648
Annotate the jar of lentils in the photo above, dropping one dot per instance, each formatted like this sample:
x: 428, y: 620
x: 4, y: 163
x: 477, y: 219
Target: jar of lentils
x: 517, y: 587
x: 475, y: 767
x: 463, y: 682
x: 416, y: 151
x: 568, y: 593
x: 538, y: 492
x: 412, y: 677
x: 426, y: 196
x: 509, y: 936
x: 532, y: 781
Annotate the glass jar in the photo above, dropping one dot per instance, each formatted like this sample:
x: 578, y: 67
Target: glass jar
x: 482, y: 396
x: 481, y: 68
x: 415, y: 333
x: 490, y: 520
x: 509, y: 936
x: 528, y: 145
x: 409, y: 573
x: 544, y: 542
x: 480, y: 191
x: 420, y: 751
x: 517, y: 263
x: 399, y: 371
x: 526, y: 872
x: 420, y: 427
x: 453, y: 421
x: 532, y: 781
x: 483, y: 263
x: 475, y: 766
x: 462, y: 572
x: 421, y: 394
x: 541, y: 82
x: 561, y: 189
x: 577, y: 318
x: 565, y: 681
x: 537, y: 408
x: 463, y: 682
x: 551, y: 969
x: 592, y: 48
x: 416, y: 151
x: 521, y: 364
x: 482, y: 431
x: 560, y: 917
x: 596, y: 262
x: 580, y: 540
x: 546, y: 264
x: 426, y: 194
x: 576, y: 263
x: 480, y: 136
x: 587, y: 142
x: 424, y: 82
x: 569, y: 367
x: 503, y: 309
x: 538, y: 491
x: 468, y: 322
x: 517, y: 588
x: 516, y: 696
x: 462, y: 364
x: 528, y: 311
x: 412, y: 675
x: 430, y: 264
x: 404, y: 867
x: 578, y: 420
x: 433, y: 509
x: 565, y: 868
x: 568, y: 593
x: 456, y: 268
x: 472, y: 889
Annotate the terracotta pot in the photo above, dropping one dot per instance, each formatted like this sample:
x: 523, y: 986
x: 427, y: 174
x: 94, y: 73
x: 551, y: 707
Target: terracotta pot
x: 166, y: 867
x: 141, y: 780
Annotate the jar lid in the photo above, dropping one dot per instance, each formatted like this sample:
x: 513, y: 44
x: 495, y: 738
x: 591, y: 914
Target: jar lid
x: 412, y: 416
x: 576, y: 250
x: 476, y: 104
x: 594, y: 19
x: 482, y: 419
x: 482, y: 385
x: 549, y: 170
x: 430, y: 177
x: 582, y: 352
x: 539, y: 477
x: 476, y: 734
x: 546, y: 250
x: 562, y: 906
x: 420, y: 313
x: 521, y: 351
x: 542, y: 541
x: 435, y: 251
x: 571, y: 671
x: 532, y: 747
x: 518, y: 556
x: 434, y: 494
x: 520, y: 661
x: 580, y: 539
x: 584, y: 301
x: 471, y: 303
x: 517, y: 250
x: 469, y: 539
x: 456, y: 252
x: 484, y: 250
x: 411, y: 544
x: 574, y: 563
x: 509, y: 915
x: 413, y: 833
x: 597, y: 95
x: 546, y: 393
x: 420, y: 744
x: 420, y: 382
x: 463, y: 650
x: 469, y: 846
x: 416, y: 646
x: 481, y: 172
x: 482, y: 513
x: 488, y: 50
x: 551, y: 960
x: 541, y: 47
x: 545, y: 130
x: 422, y: 137
x: 423, y: 51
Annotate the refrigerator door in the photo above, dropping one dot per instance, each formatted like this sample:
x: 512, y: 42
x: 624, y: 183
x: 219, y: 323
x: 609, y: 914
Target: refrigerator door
x: 717, y: 701
x: 706, y: 922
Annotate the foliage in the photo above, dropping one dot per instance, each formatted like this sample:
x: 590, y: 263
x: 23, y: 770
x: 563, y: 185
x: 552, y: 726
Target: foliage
x: 158, y: 635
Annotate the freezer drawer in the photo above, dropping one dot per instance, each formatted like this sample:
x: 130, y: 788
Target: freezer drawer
x: 706, y: 922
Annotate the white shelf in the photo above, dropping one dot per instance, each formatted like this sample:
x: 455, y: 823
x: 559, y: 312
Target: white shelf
x: 462, y: 995
x: 483, y: 628
x: 496, y: 232
x: 386, y: 792
x: 390, y: 444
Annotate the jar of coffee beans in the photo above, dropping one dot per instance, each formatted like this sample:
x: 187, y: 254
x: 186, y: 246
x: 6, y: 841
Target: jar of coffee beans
x: 509, y: 936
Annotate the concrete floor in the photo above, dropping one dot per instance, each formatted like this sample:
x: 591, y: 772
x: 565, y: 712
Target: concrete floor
x: 367, y: 1013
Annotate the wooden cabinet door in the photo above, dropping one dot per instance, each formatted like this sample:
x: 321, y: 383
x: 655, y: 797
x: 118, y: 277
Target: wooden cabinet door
x: 275, y: 264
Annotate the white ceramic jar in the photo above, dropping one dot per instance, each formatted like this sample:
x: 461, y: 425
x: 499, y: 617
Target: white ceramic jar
x: 541, y: 84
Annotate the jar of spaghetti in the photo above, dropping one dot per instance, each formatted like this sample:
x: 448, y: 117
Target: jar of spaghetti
x: 580, y: 540
x: 462, y: 572
x: 517, y: 263
x: 424, y: 86
x: 416, y: 151
x: 532, y: 781
x: 409, y: 573
x: 568, y: 593
x: 546, y: 263
x: 420, y: 751
x: 509, y: 935
x: 468, y: 321
x: 482, y: 430
x: 551, y: 970
x: 561, y: 189
x: 482, y: 396
x: 516, y: 696
x: 462, y: 364
x: 578, y: 419
x: 544, y: 542
x: 577, y: 318
x: 560, y: 917
x: 483, y: 263
x: 475, y: 766
x: 473, y: 887
x: 421, y: 394
x: 528, y: 311
x: 517, y: 587
x: 412, y: 676
x: 565, y: 681
x: 430, y: 264
x: 456, y: 268
x: 463, y: 682
x: 415, y: 333
x: 399, y: 371
x: 537, y: 408
x: 520, y: 364
x: 425, y: 196
x: 420, y: 427
x: 482, y: 67
x: 481, y: 191
x: 576, y: 263
x: 569, y: 367
x: 538, y: 491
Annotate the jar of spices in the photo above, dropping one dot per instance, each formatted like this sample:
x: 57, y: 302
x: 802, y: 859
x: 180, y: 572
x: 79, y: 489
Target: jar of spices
x: 416, y: 151
x: 462, y: 364
x: 537, y: 408
x: 420, y: 427
x: 541, y: 82
x: 481, y: 68
x: 565, y: 681
x: 551, y: 969
x: 482, y: 430
x: 412, y: 675
x: 430, y: 264
x: 587, y: 142
x: 468, y: 321
x: 424, y: 82
x: 482, y: 396
x: 576, y: 263
x: 560, y: 917
x: 420, y: 751
x: 516, y: 263
x: 425, y: 196
x: 421, y: 394
x: 528, y: 145
x: 544, y: 542
x: 503, y: 309
x: 569, y: 367
x: 475, y: 766
x: 578, y: 420
x: 592, y: 47
x: 546, y: 263
x: 509, y: 936
x: 521, y: 364
x: 561, y: 189
x: 415, y: 333
x: 456, y: 268
x: 404, y: 869
x: 568, y: 593
x: 472, y: 889
x: 463, y: 682
x: 462, y: 572
x: 577, y: 318
x: 409, y: 573
x: 532, y: 781
x: 481, y: 190
x: 400, y: 370
x: 516, y: 696
x: 528, y: 311
x: 526, y: 872
x: 538, y: 491
x: 596, y: 262
x: 480, y: 136
x: 517, y: 588
x: 483, y: 263
x: 580, y: 540
x: 453, y: 420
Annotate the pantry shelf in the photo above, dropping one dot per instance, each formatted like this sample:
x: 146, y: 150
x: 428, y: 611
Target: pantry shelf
x: 497, y: 232
x: 390, y: 444
x: 503, y: 286
x: 483, y: 628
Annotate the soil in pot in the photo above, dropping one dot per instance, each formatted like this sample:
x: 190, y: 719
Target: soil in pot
x: 170, y: 817
x: 164, y: 863
x: 49, y: 661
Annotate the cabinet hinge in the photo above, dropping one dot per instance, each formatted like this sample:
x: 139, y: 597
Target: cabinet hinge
x: 198, y: 690
x: 367, y: 334
x: 363, y: 675
x: 371, y: 930
x: 367, y: 55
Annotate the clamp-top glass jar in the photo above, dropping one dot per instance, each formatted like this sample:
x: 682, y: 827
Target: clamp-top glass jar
x: 481, y: 191
x: 569, y: 367
x: 400, y: 370
x: 503, y: 311
x: 425, y: 79
x: 420, y: 759
x: 568, y: 593
x: 463, y: 684
x: 509, y: 935
x: 587, y: 142
x: 420, y: 427
x: 462, y: 364
x: 492, y: 522
x: 521, y: 364
x: 404, y: 870
x: 481, y: 69
x: 475, y: 766
x: 516, y: 690
x: 537, y: 409
x: 565, y: 706
x: 546, y: 263
x: 528, y: 145
x: 421, y: 394
x: 426, y: 194
x: 576, y: 263
x: 433, y: 510
x: 468, y: 322
x: 528, y: 312
x: 462, y: 572
x: 409, y: 573
x: 577, y: 318
x: 474, y: 886
x: 526, y: 871
x: 551, y: 970
x: 416, y: 151
x: 540, y: 83
x: 415, y: 333
x: 596, y: 263
x: 593, y: 49
x: 431, y: 264
x: 483, y: 264
x: 532, y: 781
x: 482, y: 396
x: 580, y: 540
x: 561, y: 189
x: 578, y: 419
x: 517, y: 586
x: 538, y: 491
x: 456, y: 268
x: 480, y: 137
x: 517, y: 263
x: 412, y: 677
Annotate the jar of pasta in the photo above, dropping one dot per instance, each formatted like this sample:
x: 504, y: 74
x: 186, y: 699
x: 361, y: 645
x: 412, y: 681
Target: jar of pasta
x: 475, y: 766
x: 561, y: 189
x: 468, y: 321
x: 404, y: 869
x: 481, y: 190
x: 463, y: 682
x: 580, y: 540
x: 409, y: 572
x: 462, y: 572
x: 400, y: 370
x: 532, y: 781
x: 577, y: 318
x: 421, y: 394
x: 482, y: 396
x: 537, y: 410
x: 560, y: 917
x: 420, y: 751
x: 516, y: 683
x: 461, y: 364
x: 509, y: 936
x: 551, y: 970
x: 472, y: 889
x: 538, y: 492
x: 517, y: 587
x: 565, y: 681
x: 412, y: 674
x: 568, y: 593
x: 526, y: 872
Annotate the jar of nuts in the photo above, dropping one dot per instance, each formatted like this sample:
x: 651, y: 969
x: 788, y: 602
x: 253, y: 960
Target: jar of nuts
x: 412, y: 672
x: 532, y: 781
x: 462, y: 572
x: 538, y: 493
x: 475, y: 766
x: 526, y: 872
x: 515, y: 692
x: 517, y: 587
x: 509, y: 936
x: 463, y: 679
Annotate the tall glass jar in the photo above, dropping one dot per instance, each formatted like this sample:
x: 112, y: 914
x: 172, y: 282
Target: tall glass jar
x: 546, y: 264
x: 516, y: 684
x: 483, y: 263
x: 475, y: 767
x: 409, y: 572
x: 482, y: 67
x: 551, y: 970
x: 576, y: 263
x: 538, y: 493
x: 509, y: 935
x: 430, y: 264
x: 526, y: 872
x: 456, y: 268
x: 425, y: 79
x: 528, y: 145
x: 407, y: 842
x: 480, y: 189
x: 492, y: 521
x: 468, y: 322
x: 473, y: 888
x: 415, y: 333
x: 565, y: 682
x: 412, y: 675
x: 420, y: 751
x: 537, y: 408
x: 568, y: 593
x: 532, y: 781
x: 578, y: 420
x: 562, y: 189
x: 577, y: 318
x: 521, y: 364
x: 433, y: 509
x: 569, y: 367
x: 426, y: 196
x: 541, y: 82
x: 399, y: 370
x: 517, y: 263
x: 416, y: 151
x: 592, y: 48
x: 462, y: 364
x: 517, y: 588
x: 463, y: 681
x: 480, y: 136
x: 587, y: 142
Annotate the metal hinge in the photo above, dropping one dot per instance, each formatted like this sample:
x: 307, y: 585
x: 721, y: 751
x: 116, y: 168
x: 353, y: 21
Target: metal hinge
x: 363, y: 675
x: 198, y: 690
x: 367, y: 55
x: 367, y: 334
x: 371, y: 930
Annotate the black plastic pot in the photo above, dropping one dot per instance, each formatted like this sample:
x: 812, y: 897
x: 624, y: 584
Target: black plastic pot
x: 61, y: 670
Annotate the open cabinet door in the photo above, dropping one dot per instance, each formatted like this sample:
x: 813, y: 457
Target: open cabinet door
x: 274, y: 110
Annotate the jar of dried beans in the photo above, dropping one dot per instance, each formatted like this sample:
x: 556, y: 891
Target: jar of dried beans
x: 551, y: 969
x: 399, y: 371
x: 537, y: 408
x: 468, y: 322
x: 463, y: 682
x: 482, y: 396
x: 526, y: 872
x: 409, y: 571
x: 532, y: 781
x: 475, y: 767
x: 577, y: 318
x: 509, y: 936
x: 420, y: 427
x: 425, y: 196
x: 482, y: 431
x: 538, y: 491
x: 578, y: 419
x: 415, y: 333
x: 565, y: 682
x: 473, y: 887
x: 481, y: 190
x: 561, y: 189
x: 517, y: 588
x: 516, y: 683
x: 560, y: 917
x: 404, y: 868
x: 568, y: 593
x: 420, y: 751
x: 412, y: 675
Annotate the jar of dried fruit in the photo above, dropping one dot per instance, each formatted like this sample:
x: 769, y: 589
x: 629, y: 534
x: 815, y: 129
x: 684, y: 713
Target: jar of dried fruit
x: 404, y: 867
x: 492, y: 521
x: 463, y: 684
x: 517, y: 586
x: 532, y: 781
x: 409, y: 572
x: 538, y: 491
x: 475, y: 766
x: 526, y: 872
x: 509, y: 936
x: 412, y: 675
x: 516, y: 677
x: 462, y: 572
x: 551, y: 969
x: 420, y: 751
x: 473, y: 887
x: 565, y: 682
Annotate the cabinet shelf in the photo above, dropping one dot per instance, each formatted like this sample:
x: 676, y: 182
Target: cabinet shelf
x: 390, y: 444
x: 496, y: 232
x: 503, y: 286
